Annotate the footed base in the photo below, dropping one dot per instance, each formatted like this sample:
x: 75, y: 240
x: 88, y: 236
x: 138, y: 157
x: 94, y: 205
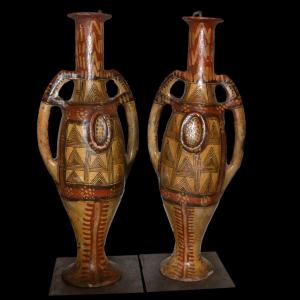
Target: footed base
x: 173, y: 268
x: 130, y: 281
x: 80, y: 277
x: 156, y: 282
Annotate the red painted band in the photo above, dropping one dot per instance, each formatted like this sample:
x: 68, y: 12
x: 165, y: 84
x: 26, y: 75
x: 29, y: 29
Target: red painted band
x: 188, y: 199
x: 90, y: 193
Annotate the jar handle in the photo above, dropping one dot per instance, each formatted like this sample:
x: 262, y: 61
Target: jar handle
x: 162, y: 98
x: 234, y: 103
x: 125, y: 98
x: 50, y: 99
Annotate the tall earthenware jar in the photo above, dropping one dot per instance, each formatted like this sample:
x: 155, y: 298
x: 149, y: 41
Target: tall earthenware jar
x: 192, y: 168
x: 91, y: 163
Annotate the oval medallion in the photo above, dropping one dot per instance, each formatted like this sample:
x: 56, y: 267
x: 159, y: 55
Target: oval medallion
x: 193, y: 132
x: 100, y: 132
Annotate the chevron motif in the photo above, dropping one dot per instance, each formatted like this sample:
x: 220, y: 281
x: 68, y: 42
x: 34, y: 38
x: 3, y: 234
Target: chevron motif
x: 214, y: 131
x: 74, y: 178
x: 210, y: 161
x: 97, y: 163
x: 74, y: 138
x: 182, y: 184
x: 214, y: 134
x: 93, y: 95
x: 74, y: 160
x: 185, y: 168
x: 99, y: 178
x: 208, y: 186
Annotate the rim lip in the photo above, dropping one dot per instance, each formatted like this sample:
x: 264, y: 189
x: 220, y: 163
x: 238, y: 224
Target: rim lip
x: 90, y: 14
x: 202, y: 19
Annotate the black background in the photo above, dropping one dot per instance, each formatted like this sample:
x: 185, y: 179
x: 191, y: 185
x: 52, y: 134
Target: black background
x: 145, y: 41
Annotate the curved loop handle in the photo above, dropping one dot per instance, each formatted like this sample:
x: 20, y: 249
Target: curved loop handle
x: 51, y: 93
x: 234, y: 103
x: 152, y: 134
x: 125, y: 98
x: 162, y: 98
x: 50, y: 98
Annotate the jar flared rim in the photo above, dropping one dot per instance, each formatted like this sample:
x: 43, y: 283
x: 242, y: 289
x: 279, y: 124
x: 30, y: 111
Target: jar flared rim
x: 100, y: 15
x: 202, y: 19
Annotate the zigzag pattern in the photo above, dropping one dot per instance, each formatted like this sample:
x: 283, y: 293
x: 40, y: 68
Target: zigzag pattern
x: 87, y: 243
x: 95, y: 48
x: 94, y: 229
x: 101, y: 234
x: 184, y: 222
x: 178, y: 270
x: 200, y: 49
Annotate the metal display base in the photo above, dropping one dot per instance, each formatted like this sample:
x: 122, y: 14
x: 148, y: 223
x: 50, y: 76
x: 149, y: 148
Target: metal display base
x: 156, y: 282
x: 130, y: 281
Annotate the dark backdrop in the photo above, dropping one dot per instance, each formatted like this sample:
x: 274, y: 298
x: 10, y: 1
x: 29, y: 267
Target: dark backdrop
x: 145, y: 41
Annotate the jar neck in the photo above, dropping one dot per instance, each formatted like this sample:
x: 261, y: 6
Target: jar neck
x: 89, y: 32
x: 201, y: 47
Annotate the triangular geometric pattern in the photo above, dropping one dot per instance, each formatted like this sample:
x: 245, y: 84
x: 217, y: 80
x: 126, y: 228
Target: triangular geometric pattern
x: 74, y: 138
x: 98, y: 179
x: 213, y: 134
x: 185, y: 168
x: 213, y: 131
x: 97, y: 163
x: 74, y: 160
x: 168, y: 158
x: 118, y: 155
x: 182, y: 185
x: 74, y: 178
x: 210, y: 162
x: 94, y: 94
x: 208, y: 185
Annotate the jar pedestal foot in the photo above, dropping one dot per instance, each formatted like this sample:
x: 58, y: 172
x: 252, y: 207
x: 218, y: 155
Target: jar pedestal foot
x: 81, y: 277
x: 174, y: 268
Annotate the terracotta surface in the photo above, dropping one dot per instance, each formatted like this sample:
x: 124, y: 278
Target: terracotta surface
x: 192, y: 168
x: 92, y: 163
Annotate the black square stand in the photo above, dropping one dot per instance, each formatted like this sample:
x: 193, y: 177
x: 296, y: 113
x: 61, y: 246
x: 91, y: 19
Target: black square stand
x: 131, y: 280
x: 155, y: 282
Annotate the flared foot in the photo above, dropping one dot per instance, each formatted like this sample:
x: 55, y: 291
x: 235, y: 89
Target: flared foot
x: 80, y: 277
x: 174, y: 268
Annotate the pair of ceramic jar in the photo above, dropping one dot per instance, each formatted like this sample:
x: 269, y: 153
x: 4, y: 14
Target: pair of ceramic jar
x: 92, y: 163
